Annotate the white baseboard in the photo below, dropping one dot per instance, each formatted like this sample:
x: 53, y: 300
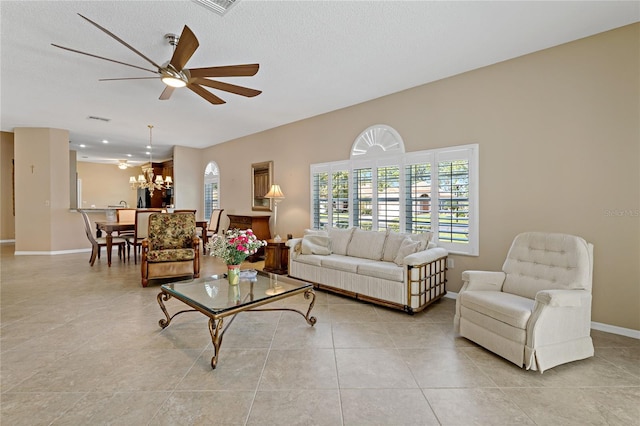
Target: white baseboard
x: 7, y: 241
x: 629, y: 332
x: 50, y: 253
x: 613, y: 329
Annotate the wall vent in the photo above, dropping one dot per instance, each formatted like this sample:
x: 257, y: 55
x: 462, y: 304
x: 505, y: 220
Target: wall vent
x: 94, y: 117
x: 218, y: 6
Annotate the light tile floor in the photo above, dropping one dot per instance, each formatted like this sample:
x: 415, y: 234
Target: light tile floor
x: 81, y: 345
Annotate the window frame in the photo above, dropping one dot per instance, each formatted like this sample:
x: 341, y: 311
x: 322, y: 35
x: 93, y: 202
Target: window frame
x: 214, y: 179
x: 434, y: 157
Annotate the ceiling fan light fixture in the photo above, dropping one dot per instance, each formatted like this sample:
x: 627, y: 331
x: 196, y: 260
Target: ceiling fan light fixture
x: 172, y: 77
x: 173, y: 82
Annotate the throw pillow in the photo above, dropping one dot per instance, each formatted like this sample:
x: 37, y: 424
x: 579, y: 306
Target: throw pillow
x: 392, y: 245
x: 340, y: 239
x: 407, y: 247
x: 316, y: 232
x: 423, y: 238
x: 315, y: 244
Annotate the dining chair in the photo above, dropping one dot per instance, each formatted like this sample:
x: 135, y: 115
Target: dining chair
x: 141, y: 229
x: 214, y: 225
x: 98, y: 243
x: 185, y: 211
x: 126, y: 216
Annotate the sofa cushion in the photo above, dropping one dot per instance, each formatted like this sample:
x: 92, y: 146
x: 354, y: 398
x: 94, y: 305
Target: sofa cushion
x: 170, y: 255
x: 505, y: 307
x: 310, y: 259
x: 407, y: 247
x: 343, y: 263
x: 366, y: 244
x: 315, y: 244
x: 383, y: 270
x: 340, y: 239
x: 541, y: 261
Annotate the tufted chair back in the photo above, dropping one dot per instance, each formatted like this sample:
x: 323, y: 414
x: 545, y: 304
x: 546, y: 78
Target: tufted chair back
x: 546, y: 261
x: 171, y: 231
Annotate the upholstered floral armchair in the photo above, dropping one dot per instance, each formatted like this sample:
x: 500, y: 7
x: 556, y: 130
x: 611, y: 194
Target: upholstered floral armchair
x: 536, y: 312
x: 172, y: 248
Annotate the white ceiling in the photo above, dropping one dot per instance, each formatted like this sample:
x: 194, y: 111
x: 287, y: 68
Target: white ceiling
x: 314, y: 56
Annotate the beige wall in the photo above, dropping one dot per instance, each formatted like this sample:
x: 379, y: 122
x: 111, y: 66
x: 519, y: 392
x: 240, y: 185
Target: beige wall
x: 7, y: 218
x: 106, y: 185
x: 43, y: 221
x: 189, y: 180
x: 559, y: 141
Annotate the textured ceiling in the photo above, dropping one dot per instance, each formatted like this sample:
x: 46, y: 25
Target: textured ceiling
x: 314, y: 56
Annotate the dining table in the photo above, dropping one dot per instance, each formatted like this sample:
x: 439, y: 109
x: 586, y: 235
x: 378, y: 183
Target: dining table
x: 110, y: 227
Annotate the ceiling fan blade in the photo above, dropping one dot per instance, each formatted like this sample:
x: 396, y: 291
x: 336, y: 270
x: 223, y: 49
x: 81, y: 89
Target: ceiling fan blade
x: 166, y: 93
x: 100, y: 57
x: 187, y: 45
x: 205, y: 94
x: 246, y: 70
x: 232, y: 88
x: 128, y: 78
x: 120, y: 40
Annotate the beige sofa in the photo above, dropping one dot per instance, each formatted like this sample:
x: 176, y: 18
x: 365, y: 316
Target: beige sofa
x: 402, y: 271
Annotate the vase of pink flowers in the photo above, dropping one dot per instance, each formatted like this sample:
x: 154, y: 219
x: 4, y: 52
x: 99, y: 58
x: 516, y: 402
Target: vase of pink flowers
x: 233, y: 248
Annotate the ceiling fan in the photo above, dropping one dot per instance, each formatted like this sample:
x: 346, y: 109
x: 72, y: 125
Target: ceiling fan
x: 174, y: 74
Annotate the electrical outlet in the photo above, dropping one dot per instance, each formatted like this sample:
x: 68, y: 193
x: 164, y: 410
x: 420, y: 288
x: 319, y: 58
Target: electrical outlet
x: 450, y: 263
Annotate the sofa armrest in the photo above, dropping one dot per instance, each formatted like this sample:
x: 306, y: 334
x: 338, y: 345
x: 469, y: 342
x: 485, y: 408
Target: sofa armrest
x: 477, y: 281
x: 558, y: 316
x: 561, y: 298
x: 425, y: 256
x: 483, y: 280
x: 294, y: 245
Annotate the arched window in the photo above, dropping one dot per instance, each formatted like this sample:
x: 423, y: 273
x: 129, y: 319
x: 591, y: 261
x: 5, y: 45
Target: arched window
x: 211, y: 188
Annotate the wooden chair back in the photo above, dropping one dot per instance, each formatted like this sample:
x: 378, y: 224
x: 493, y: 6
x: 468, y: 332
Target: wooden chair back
x: 142, y: 222
x: 87, y: 227
x: 126, y: 215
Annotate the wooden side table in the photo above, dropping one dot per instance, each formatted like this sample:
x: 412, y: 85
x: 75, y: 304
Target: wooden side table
x: 276, y: 257
x: 258, y: 223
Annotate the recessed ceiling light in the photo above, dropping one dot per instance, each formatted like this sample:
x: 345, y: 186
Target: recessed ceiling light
x: 82, y: 145
x: 105, y: 141
x: 129, y: 155
x: 148, y: 147
x: 147, y: 153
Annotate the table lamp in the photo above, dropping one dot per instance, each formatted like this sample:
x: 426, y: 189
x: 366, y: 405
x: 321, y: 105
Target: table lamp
x: 275, y: 193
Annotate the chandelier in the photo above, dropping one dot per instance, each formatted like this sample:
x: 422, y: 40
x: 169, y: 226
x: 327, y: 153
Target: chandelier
x: 147, y: 180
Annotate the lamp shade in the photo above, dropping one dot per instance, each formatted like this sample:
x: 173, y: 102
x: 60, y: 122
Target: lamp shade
x: 274, y: 192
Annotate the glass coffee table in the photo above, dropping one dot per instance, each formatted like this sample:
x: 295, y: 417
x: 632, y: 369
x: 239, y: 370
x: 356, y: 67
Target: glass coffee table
x: 215, y: 298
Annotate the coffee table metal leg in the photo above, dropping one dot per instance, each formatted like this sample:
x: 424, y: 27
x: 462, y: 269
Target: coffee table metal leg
x: 215, y: 328
x: 164, y: 296
x: 310, y: 294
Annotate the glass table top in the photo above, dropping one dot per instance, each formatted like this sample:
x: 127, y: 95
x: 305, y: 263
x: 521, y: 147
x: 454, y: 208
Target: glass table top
x: 214, y: 294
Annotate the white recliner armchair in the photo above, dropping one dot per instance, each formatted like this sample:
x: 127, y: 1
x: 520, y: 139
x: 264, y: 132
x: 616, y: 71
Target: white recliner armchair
x: 536, y: 313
